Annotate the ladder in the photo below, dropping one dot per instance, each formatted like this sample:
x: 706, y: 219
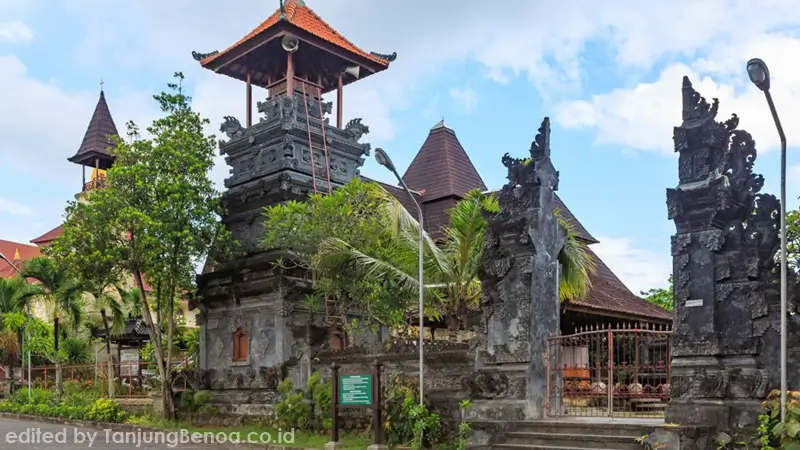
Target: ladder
x: 311, y: 146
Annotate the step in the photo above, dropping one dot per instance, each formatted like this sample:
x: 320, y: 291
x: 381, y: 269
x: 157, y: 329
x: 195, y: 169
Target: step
x: 600, y: 426
x: 538, y: 447
x: 619, y: 442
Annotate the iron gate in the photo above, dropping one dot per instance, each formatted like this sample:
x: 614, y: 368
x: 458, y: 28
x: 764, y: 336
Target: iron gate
x: 620, y: 371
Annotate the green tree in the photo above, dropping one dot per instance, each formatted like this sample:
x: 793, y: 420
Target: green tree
x: 157, y: 215
x: 361, y: 241
x: 61, y: 294
x: 660, y: 296
x: 792, y: 240
x: 11, y: 311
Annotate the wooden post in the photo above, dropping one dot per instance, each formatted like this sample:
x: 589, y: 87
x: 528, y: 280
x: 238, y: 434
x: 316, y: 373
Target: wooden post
x: 249, y: 102
x: 289, y: 75
x: 339, y: 103
x: 335, y: 402
x: 376, y: 406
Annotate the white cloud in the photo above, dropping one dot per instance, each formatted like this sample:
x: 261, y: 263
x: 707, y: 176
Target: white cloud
x: 638, y: 268
x: 642, y: 117
x: 465, y: 98
x: 66, y: 115
x: 15, y: 32
x: 14, y: 208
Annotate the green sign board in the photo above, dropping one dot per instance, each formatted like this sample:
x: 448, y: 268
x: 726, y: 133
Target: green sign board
x: 355, y: 390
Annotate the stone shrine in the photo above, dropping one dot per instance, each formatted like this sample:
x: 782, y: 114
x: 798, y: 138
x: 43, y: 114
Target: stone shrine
x: 251, y: 321
x: 726, y: 338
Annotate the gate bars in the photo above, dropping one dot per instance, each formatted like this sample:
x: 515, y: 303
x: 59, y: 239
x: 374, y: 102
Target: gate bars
x: 606, y: 371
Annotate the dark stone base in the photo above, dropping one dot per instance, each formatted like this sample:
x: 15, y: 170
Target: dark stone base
x: 727, y: 415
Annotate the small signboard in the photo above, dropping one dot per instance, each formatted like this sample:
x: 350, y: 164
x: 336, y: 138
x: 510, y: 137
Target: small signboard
x: 355, y: 390
x: 129, y: 362
x: 694, y: 303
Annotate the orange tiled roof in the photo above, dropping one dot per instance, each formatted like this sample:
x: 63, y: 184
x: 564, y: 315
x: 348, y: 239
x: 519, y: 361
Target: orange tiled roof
x: 300, y: 15
x: 17, y: 253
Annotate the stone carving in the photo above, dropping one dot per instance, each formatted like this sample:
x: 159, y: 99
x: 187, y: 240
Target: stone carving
x: 232, y: 128
x: 266, y: 341
x: 486, y: 385
x: 218, y: 347
x: 724, y: 260
x: 355, y: 129
x: 239, y: 322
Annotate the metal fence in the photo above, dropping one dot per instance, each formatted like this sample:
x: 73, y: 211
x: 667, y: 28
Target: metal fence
x: 609, y: 372
x: 131, y: 379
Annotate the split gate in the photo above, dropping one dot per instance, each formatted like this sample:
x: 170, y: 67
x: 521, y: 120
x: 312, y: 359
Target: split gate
x: 609, y: 372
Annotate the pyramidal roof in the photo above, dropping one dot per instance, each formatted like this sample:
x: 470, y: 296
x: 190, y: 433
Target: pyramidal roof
x: 299, y: 14
x: 442, y: 168
x: 96, y: 145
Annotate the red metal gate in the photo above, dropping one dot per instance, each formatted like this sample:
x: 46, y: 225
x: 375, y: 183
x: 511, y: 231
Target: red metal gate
x: 620, y: 371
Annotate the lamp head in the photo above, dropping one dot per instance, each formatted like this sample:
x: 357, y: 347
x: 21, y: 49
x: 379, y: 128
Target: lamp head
x: 759, y: 73
x: 3, y: 257
x: 383, y: 159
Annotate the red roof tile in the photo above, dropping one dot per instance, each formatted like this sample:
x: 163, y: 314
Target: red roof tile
x: 18, y: 253
x: 48, y: 237
x: 442, y: 168
x: 303, y: 17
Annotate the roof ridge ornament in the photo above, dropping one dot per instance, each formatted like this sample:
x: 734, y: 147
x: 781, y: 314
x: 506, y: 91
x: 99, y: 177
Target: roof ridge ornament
x: 696, y: 110
x: 201, y: 56
x: 283, y: 9
x: 388, y: 57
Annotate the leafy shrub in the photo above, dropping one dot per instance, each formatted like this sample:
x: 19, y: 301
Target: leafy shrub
x: 38, y: 397
x: 293, y: 411
x: 77, y: 393
x: 408, y: 422
x: 105, y: 410
x: 772, y: 433
x: 322, y: 396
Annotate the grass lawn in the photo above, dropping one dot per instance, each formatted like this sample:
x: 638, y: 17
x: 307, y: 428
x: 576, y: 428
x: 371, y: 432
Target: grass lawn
x: 301, y: 439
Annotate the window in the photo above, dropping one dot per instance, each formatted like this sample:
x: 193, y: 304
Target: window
x: 240, y: 350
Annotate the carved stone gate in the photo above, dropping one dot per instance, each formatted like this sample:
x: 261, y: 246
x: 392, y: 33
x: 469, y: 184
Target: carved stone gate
x: 620, y: 371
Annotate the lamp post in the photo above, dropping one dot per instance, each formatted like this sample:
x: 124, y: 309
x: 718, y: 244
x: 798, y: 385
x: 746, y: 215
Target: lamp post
x: 759, y: 74
x: 384, y: 160
x: 27, y: 328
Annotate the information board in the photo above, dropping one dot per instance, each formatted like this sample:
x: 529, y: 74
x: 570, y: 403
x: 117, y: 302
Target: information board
x: 355, y: 390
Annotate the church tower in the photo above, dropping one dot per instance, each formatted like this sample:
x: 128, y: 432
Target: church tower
x: 95, y: 150
x: 250, y: 313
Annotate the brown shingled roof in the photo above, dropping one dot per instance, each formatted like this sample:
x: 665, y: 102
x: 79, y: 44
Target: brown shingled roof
x: 610, y: 294
x: 442, y: 168
x: 48, y: 237
x: 96, y: 146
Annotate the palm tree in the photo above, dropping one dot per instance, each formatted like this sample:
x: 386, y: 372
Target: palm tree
x: 11, y: 318
x: 61, y: 294
x: 450, y: 267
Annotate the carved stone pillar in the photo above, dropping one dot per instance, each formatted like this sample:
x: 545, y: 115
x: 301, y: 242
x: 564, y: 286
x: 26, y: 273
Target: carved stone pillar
x: 723, y: 256
x: 520, y: 280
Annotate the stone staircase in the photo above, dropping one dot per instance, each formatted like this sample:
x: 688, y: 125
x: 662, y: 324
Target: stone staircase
x: 583, y: 434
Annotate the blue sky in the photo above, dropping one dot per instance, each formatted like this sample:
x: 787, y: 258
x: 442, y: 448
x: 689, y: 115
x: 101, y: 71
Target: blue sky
x: 608, y: 77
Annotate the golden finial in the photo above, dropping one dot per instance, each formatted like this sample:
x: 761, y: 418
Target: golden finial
x: 16, y: 255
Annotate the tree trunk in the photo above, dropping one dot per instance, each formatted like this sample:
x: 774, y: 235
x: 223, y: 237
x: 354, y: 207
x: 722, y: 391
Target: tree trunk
x: 59, y: 381
x: 170, y: 330
x: 155, y: 337
x: 109, y: 360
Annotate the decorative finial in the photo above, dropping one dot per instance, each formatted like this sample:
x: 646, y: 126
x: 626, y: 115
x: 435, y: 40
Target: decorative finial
x: 283, y: 9
x: 16, y: 255
x: 540, y: 147
x: 101, y: 85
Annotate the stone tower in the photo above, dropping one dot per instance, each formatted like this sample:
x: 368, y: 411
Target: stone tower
x: 291, y: 151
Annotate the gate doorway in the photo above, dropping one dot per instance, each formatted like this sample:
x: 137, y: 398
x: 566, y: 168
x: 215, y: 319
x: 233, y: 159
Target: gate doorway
x: 620, y: 371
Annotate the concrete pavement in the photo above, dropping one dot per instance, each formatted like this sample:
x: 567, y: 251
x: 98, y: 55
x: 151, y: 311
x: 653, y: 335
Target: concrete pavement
x: 18, y: 434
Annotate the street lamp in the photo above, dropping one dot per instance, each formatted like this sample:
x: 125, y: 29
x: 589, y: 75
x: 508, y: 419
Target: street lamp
x: 384, y: 160
x: 27, y: 327
x: 759, y: 74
